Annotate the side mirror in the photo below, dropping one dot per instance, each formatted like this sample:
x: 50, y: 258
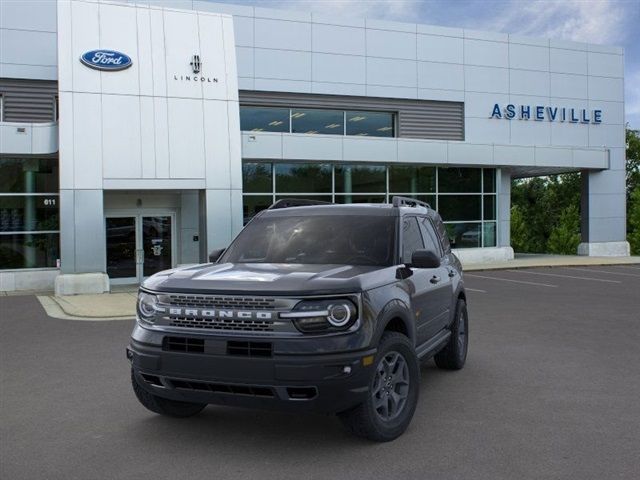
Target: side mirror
x: 425, y: 259
x: 216, y: 254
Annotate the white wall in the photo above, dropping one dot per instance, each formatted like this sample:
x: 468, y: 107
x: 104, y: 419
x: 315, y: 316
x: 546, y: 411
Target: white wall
x: 145, y: 127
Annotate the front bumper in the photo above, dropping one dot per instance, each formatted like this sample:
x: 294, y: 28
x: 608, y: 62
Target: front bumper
x: 324, y: 383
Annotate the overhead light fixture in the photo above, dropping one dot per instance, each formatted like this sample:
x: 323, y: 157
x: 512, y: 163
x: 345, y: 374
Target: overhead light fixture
x: 333, y: 125
x: 275, y: 123
x: 357, y: 118
x: 298, y: 115
x: 384, y: 129
x: 257, y: 129
x: 362, y: 134
x: 312, y: 131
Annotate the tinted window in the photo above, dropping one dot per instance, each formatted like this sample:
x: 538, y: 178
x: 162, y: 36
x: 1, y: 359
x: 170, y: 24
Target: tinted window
x: 489, y: 207
x: 430, y: 237
x: 360, y: 199
x: 341, y: 239
x: 317, y: 121
x: 33, y: 250
x: 253, y: 204
x: 459, y: 180
x: 28, y: 213
x: 264, y: 119
x: 28, y: 175
x: 256, y: 178
x: 459, y: 207
x: 372, y: 124
x: 409, y: 179
x: 465, y: 235
x: 303, y: 178
x: 489, y: 180
x: 442, y: 233
x: 411, y: 238
x: 361, y: 178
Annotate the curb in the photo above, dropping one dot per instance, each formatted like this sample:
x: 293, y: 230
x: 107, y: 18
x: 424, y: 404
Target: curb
x: 53, y: 309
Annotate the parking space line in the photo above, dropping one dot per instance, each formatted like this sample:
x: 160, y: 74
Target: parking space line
x: 565, y: 276
x: 628, y: 266
x: 513, y: 281
x: 474, y: 290
x: 603, y: 271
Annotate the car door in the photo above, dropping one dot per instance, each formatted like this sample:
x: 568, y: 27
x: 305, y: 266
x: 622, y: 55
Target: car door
x: 442, y: 284
x: 422, y: 291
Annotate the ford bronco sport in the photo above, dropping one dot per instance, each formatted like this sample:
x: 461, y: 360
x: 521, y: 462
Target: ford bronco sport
x: 313, y: 307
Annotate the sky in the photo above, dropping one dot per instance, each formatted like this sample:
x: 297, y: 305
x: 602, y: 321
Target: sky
x: 608, y: 22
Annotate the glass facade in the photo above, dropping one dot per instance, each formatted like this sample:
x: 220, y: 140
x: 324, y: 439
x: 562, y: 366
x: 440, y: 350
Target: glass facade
x: 465, y: 197
x: 317, y: 121
x: 29, y: 213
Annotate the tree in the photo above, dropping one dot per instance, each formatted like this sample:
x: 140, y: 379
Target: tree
x: 565, y: 236
x: 538, y: 209
x: 633, y: 161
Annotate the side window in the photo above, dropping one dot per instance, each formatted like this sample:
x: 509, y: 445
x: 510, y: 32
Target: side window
x: 431, y: 241
x: 441, y: 230
x: 411, y: 238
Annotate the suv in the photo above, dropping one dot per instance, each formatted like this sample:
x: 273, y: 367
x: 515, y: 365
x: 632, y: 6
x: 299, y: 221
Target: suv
x: 313, y: 307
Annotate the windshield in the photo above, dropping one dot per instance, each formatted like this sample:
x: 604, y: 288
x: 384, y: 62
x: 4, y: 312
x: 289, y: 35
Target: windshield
x: 340, y: 239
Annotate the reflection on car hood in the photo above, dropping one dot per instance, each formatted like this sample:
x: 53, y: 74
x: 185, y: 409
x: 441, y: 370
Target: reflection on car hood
x: 271, y: 278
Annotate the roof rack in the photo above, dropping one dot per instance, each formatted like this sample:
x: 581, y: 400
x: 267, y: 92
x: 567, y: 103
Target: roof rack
x: 296, y: 202
x: 408, y: 202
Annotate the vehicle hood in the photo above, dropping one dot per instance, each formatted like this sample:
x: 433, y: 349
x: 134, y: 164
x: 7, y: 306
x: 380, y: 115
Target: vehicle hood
x: 271, y: 279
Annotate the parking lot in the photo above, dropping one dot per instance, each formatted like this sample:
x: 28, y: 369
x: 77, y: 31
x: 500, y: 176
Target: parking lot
x: 551, y: 390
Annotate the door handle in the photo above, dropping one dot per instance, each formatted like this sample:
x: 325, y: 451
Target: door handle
x: 435, y: 279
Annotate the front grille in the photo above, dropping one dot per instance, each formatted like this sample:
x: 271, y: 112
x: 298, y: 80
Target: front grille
x: 251, y: 390
x: 180, y: 344
x: 245, y: 325
x: 249, y: 349
x: 215, y: 302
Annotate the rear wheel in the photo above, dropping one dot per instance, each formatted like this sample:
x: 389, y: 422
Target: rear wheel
x: 164, y: 406
x: 393, y: 392
x: 454, y: 355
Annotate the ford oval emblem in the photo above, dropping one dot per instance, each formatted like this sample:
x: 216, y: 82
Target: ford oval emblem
x: 108, y: 60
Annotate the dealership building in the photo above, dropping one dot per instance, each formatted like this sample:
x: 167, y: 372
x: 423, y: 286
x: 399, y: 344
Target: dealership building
x: 136, y: 137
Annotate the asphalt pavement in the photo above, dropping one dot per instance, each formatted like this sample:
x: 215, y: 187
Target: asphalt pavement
x: 551, y: 390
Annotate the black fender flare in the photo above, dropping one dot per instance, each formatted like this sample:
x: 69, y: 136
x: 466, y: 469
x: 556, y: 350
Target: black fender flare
x: 392, y: 310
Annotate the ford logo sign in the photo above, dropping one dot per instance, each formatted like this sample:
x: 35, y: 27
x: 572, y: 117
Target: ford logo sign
x: 108, y: 60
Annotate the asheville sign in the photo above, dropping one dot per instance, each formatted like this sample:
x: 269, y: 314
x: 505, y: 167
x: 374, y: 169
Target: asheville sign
x: 108, y: 60
x: 552, y: 114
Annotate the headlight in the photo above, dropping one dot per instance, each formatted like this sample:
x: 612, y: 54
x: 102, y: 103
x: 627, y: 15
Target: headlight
x: 147, y: 306
x: 311, y: 316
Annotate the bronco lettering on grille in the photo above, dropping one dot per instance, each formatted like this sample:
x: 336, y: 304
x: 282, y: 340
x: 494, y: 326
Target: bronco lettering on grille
x: 210, y: 313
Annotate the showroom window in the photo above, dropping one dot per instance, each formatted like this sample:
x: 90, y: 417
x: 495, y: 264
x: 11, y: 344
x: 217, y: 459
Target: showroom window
x: 317, y: 121
x: 465, y: 197
x: 29, y: 213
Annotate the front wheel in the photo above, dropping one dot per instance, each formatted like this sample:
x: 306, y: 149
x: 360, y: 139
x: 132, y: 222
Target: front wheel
x: 164, y: 406
x: 393, y: 392
x: 454, y: 355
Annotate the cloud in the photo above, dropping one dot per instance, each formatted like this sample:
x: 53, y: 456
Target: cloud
x: 401, y: 10
x: 578, y: 20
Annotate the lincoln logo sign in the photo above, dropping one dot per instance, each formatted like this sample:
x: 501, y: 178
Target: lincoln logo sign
x: 551, y: 114
x: 108, y: 60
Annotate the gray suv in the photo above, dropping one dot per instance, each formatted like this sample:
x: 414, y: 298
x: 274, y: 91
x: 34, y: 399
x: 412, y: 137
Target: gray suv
x: 313, y: 307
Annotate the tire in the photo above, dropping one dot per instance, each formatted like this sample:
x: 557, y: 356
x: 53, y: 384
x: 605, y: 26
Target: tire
x: 368, y: 420
x: 164, y: 406
x: 454, y: 355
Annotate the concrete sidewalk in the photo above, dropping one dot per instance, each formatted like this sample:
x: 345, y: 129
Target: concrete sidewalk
x: 532, y: 260
x: 120, y: 304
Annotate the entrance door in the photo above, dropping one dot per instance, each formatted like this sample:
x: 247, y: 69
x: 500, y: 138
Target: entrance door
x: 138, y: 246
